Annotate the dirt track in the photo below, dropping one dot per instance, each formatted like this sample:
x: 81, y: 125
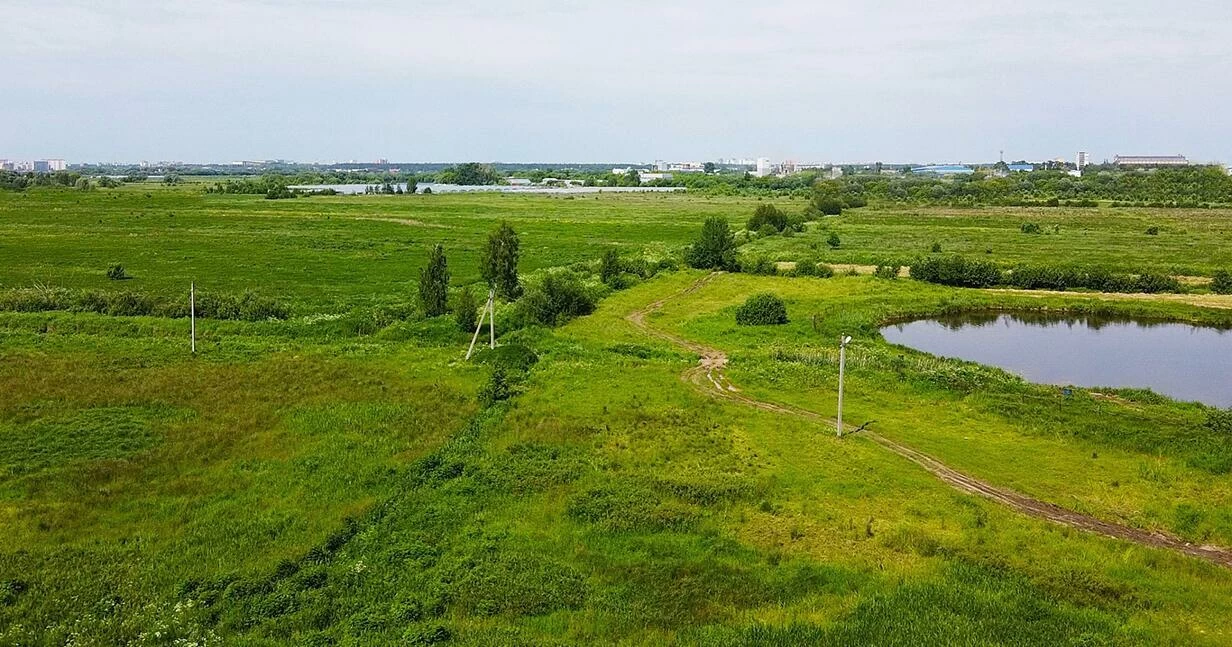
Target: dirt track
x: 708, y: 376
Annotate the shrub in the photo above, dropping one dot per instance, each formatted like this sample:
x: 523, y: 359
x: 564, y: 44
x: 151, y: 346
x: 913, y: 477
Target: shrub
x: 434, y: 283
x: 715, y: 249
x: 1219, y: 421
x: 1152, y: 231
x: 887, y: 271
x: 767, y: 215
x: 1152, y: 282
x: 1030, y: 228
x: 829, y: 206
x: 609, y: 266
x: 1221, y: 282
x: 767, y: 230
x: 117, y: 273
x: 823, y: 271
x: 465, y: 309
x: 833, y: 241
x: 956, y: 270
x: 1063, y: 277
x: 496, y: 389
x: 759, y: 265
x: 806, y: 266
x: 557, y: 299
x: 936, y: 248
x: 278, y: 192
x: 763, y: 309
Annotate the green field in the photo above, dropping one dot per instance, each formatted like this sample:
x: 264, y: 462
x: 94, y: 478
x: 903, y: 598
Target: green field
x: 303, y: 482
x: 1191, y: 242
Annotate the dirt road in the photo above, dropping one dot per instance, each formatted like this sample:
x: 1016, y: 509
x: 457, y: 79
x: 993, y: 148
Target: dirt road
x: 708, y: 375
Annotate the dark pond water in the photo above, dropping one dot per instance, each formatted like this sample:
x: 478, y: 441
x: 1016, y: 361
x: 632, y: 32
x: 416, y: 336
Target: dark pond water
x: 1181, y: 361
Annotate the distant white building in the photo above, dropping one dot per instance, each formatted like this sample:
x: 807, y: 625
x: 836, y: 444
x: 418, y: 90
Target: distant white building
x: 517, y: 181
x: 836, y: 172
x: 1081, y: 161
x: 661, y: 165
x: 57, y: 165
x: 763, y: 167
x: 1150, y: 161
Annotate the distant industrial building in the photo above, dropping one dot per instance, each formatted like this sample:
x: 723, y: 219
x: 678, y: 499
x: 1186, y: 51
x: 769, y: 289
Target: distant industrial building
x: 1150, y: 161
x: 944, y: 169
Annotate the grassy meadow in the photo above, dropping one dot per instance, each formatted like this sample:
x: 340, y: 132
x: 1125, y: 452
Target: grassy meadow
x: 307, y: 482
x: 1189, y: 242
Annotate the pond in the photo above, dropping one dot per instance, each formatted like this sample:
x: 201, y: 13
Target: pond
x: 1182, y: 361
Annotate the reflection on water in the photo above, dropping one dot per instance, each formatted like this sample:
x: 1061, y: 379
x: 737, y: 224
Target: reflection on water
x: 1178, y: 360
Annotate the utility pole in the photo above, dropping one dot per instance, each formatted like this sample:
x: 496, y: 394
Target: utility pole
x: 489, y: 310
x: 192, y: 314
x: 842, y: 364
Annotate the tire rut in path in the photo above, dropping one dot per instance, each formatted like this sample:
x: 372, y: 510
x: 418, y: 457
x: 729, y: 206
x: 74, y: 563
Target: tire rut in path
x: 709, y: 377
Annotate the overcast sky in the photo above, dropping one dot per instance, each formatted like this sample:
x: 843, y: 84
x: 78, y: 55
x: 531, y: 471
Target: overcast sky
x: 575, y: 80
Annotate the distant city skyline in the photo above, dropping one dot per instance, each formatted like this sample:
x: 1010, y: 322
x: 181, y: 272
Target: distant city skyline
x: 543, y: 80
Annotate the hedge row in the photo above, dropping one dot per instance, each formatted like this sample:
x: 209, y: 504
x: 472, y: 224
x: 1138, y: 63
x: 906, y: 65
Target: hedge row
x: 246, y: 307
x: 962, y: 272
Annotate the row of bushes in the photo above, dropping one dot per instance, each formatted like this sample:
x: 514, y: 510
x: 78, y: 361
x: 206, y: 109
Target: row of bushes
x: 962, y: 272
x: 246, y: 307
x: 1061, y: 277
x: 1050, y: 202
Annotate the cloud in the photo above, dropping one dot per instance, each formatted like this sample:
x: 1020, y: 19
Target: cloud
x: 541, y: 79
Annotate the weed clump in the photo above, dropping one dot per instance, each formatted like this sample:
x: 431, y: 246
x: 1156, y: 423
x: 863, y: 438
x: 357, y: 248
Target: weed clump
x: 763, y: 309
x: 117, y: 273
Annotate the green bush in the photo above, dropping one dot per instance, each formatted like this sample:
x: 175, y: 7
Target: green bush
x: 1152, y: 231
x: 715, y: 249
x: 833, y: 241
x: 1030, y: 228
x: 956, y: 270
x: 1219, y: 421
x: 806, y: 266
x: 823, y: 271
x: 1064, y: 277
x: 887, y: 271
x: 497, y: 388
x: 1153, y: 283
x: 465, y: 309
x: 936, y: 248
x: 610, y: 266
x: 767, y: 215
x: 763, y: 309
x: 117, y: 273
x: 759, y: 265
x: 1221, y: 282
x: 557, y: 299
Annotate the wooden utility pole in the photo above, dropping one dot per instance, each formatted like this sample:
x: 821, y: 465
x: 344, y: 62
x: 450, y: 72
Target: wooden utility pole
x: 489, y: 310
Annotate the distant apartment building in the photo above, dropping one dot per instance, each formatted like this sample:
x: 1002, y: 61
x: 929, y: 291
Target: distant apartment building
x: 1081, y: 160
x: 41, y: 166
x: 1150, y: 161
x: 763, y: 167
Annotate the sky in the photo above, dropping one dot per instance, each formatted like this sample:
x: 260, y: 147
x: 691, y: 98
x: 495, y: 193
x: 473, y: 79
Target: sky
x: 583, y: 81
